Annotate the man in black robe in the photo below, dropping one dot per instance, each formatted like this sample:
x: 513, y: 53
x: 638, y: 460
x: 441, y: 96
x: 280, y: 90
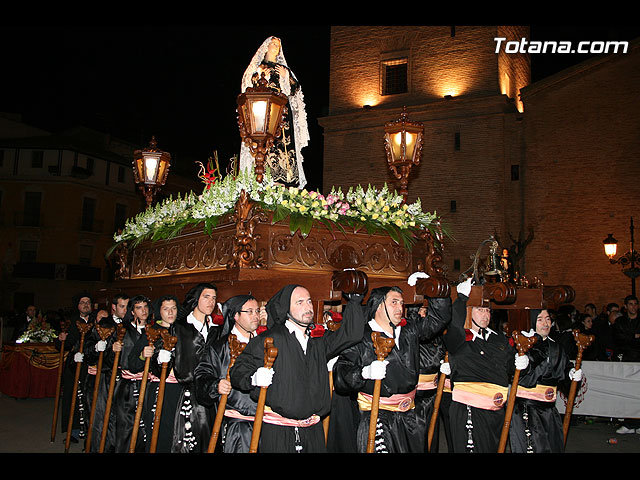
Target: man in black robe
x: 536, y: 425
x: 357, y: 368
x: 125, y: 396
x: 193, y: 422
x: 119, y: 304
x: 93, y: 345
x: 432, y: 355
x: 298, y: 394
x: 482, y: 365
x: 166, y: 310
x: 83, y: 306
x: 241, y: 319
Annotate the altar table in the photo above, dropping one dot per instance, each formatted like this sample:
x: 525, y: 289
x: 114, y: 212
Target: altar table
x: 29, y: 370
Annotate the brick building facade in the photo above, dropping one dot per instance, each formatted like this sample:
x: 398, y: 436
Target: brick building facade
x: 494, y: 162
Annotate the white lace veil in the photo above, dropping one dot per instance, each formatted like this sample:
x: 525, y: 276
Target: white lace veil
x: 296, y: 104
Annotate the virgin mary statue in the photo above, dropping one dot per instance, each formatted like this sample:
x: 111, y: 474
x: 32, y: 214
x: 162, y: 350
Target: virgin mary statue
x: 284, y: 158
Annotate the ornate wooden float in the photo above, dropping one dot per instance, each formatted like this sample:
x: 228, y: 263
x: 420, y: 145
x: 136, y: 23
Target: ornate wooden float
x: 248, y: 252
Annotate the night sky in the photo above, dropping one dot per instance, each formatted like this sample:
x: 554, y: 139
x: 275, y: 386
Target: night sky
x: 180, y: 83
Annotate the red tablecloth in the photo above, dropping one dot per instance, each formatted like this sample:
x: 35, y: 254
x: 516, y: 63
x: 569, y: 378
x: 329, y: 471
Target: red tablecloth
x: 29, y: 370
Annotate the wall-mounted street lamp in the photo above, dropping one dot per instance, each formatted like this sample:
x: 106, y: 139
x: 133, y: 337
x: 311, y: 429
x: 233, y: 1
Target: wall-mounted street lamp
x: 628, y: 260
x: 403, y: 146
x: 261, y: 113
x: 150, y: 169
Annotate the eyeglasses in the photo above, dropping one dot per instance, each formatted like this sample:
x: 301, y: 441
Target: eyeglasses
x: 251, y: 311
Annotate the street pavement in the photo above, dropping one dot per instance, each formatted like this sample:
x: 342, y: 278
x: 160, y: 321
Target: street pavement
x: 25, y: 427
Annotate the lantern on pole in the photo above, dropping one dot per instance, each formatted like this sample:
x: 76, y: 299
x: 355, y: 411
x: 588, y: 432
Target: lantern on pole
x: 403, y: 142
x: 261, y: 113
x: 629, y: 260
x: 150, y: 169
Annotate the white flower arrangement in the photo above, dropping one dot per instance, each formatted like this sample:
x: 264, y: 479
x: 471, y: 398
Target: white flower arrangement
x: 372, y: 209
x: 38, y: 335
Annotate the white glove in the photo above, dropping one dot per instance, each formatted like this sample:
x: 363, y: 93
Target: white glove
x: 445, y: 367
x: 263, y: 377
x: 101, y: 346
x: 530, y: 333
x: 78, y: 357
x: 522, y: 362
x: 164, y: 356
x: 413, y: 278
x: 331, y: 363
x: 465, y: 287
x: 376, y: 371
x: 575, y: 375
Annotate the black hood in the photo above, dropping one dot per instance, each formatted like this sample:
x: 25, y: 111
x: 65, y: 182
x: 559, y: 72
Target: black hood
x: 278, y: 305
x: 230, y: 308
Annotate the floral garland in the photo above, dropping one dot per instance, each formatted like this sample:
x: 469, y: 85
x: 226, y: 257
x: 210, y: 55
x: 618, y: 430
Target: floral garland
x: 371, y: 209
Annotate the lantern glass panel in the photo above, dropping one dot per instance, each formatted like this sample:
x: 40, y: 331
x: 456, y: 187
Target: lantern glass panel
x: 274, y: 118
x: 151, y: 163
x: 610, y: 249
x: 259, y: 116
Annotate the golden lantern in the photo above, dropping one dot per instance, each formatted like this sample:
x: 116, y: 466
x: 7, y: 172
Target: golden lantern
x: 150, y: 169
x: 610, y: 246
x: 403, y: 142
x: 261, y: 113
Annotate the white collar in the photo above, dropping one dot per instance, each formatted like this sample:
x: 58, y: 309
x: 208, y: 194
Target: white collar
x: 240, y: 335
x: 477, y: 335
x: 377, y: 328
x: 198, y: 325
x: 300, y: 336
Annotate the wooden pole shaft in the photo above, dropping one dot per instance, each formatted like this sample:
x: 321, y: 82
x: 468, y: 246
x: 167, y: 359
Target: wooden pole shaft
x: 94, y: 401
x: 136, y: 421
x: 75, y: 393
x: 158, y: 414
x: 107, y: 410
x: 270, y: 354
x: 436, y: 406
x: 56, y: 405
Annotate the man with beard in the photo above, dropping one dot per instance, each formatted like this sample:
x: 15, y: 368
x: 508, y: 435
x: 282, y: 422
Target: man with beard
x: 357, y: 369
x: 536, y: 425
x: 482, y: 365
x: 125, y: 396
x: 193, y: 421
x: 83, y: 306
x: 241, y: 318
x: 298, y: 393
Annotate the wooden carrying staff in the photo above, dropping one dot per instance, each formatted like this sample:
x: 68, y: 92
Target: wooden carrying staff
x: 333, y: 326
x: 523, y: 344
x: 104, y: 333
x: 152, y: 335
x: 436, y: 405
x: 83, y: 328
x: 121, y: 331
x: 382, y: 346
x: 582, y: 341
x: 63, y: 329
x: 235, y: 349
x: 270, y: 354
x: 169, y: 342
